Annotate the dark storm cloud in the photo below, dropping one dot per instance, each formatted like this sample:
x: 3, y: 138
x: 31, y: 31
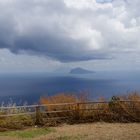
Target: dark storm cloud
x: 42, y: 28
x: 65, y: 30
x: 55, y: 46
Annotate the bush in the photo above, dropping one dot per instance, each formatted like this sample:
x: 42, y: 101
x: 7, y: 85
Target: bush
x: 74, y: 111
x: 113, y: 111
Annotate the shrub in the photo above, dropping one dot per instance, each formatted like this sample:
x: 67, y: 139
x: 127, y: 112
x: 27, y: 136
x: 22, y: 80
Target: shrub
x: 74, y: 111
x: 114, y: 110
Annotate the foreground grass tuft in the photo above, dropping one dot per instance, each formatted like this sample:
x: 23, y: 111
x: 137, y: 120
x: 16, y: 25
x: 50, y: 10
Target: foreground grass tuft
x: 30, y: 133
x: 69, y: 138
x: 89, y: 131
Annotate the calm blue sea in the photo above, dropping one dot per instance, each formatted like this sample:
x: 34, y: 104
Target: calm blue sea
x: 30, y: 87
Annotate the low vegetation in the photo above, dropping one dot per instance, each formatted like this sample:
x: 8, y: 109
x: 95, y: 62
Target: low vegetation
x: 16, y: 122
x: 76, y: 110
x: 88, y: 131
x: 118, y: 109
x: 28, y: 133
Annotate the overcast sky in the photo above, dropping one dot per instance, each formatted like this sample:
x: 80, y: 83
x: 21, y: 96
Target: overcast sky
x: 46, y: 35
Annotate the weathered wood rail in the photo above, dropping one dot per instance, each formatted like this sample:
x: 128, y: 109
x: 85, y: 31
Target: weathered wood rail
x: 64, y: 109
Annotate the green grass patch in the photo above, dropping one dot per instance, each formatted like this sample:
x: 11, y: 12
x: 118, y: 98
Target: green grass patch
x: 30, y: 133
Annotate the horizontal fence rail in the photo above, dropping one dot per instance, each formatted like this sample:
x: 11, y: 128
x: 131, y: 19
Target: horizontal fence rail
x: 33, y: 107
x: 64, y: 110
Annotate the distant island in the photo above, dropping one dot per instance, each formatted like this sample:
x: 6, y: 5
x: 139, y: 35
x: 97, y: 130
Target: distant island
x: 80, y: 71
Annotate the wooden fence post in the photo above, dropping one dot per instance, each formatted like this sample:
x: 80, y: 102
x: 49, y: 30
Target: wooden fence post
x: 38, y: 116
x: 78, y: 111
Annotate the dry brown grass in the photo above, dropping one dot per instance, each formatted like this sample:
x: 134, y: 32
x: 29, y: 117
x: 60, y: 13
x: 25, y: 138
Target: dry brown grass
x: 92, y: 131
x: 15, y: 122
x: 114, y: 111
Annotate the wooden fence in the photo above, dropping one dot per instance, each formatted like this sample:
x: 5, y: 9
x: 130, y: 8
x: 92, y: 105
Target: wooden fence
x: 65, y: 109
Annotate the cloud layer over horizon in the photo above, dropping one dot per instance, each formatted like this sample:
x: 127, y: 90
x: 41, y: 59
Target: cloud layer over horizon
x: 70, y: 30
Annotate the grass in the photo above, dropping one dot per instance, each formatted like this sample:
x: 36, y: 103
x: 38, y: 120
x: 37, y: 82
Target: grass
x: 112, y: 111
x: 89, y: 131
x: 96, y: 131
x: 29, y: 133
x: 69, y: 138
x: 15, y: 122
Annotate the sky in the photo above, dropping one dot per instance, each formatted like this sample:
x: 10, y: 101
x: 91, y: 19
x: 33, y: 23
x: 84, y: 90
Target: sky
x: 54, y: 35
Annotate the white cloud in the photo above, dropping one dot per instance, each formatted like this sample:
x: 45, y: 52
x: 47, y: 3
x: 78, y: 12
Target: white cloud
x: 71, y: 30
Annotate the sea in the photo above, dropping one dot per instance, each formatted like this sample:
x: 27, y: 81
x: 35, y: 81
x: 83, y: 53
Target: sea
x: 21, y: 88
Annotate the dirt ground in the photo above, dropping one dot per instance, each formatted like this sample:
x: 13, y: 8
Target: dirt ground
x: 92, y: 131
